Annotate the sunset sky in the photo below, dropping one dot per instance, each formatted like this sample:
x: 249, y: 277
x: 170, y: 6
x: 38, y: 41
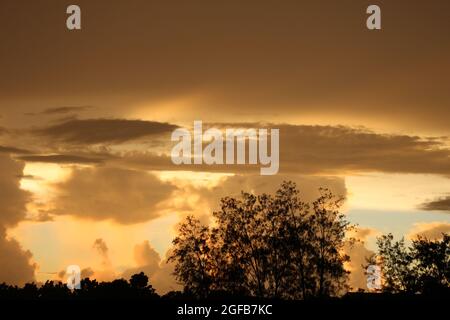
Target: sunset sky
x: 86, y: 118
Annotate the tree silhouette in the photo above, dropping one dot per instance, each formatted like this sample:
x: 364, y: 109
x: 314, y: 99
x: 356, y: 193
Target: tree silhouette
x: 432, y: 261
x: 139, y: 281
x: 396, y: 264
x: 424, y: 267
x: 270, y: 246
x: 192, y: 254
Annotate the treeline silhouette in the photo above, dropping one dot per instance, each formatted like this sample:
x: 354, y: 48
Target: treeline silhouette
x: 423, y: 267
x: 271, y: 247
x: 137, y: 288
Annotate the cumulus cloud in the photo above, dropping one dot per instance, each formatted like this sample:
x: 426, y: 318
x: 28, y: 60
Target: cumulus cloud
x: 85, y: 273
x: 203, y: 200
x: 159, y: 271
x: 145, y: 255
x: 331, y: 150
x: 429, y: 230
x: 106, y: 271
x: 147, y: 260
x: 95, y: 131
x: 358, y: 253
x: 307, y: 185
x: 16, y: 266
x: 440, y: 204
x: 125, y: 196
x: 12, y: 199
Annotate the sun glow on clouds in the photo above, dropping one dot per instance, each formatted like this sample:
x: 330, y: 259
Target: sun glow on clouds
x: 67, y: 240
x: 189, y: 197
x: 36, y: 175
x: 401, y: 192
x: 171, y: 110
x: 195, y: 179
x: 38, y: 179
x: 58, y: 243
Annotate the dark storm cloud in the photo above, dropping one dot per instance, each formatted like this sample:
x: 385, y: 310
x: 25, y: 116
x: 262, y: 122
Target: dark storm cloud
x: 441, y: 204
x: 326, y: 150
x: 311, y: 58
x: 318, y: 149
x: 95, y: 131
x: 100, y: 193
x: 61, y: 158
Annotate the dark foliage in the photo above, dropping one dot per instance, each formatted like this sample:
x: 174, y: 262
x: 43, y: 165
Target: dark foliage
x: 423, y: 267
x: 136, y: 288
x: 266, y: 246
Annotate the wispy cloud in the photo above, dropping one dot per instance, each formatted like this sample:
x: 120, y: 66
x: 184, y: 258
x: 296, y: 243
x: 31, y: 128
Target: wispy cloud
x: 440, y: 204
x: 97, y: 131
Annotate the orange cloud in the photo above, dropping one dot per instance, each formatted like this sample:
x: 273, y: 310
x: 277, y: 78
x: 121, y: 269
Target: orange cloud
x: 429, y: 230
x: 359, y: 254
x: 159, y: 271
x: 16, y: 266
x: 99, y: 193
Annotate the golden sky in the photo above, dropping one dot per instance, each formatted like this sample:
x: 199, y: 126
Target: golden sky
x: 86, y: 118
